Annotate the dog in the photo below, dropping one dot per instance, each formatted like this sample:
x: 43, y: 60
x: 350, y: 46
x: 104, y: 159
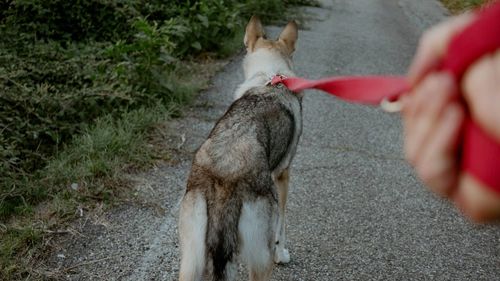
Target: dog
x: 234, y: 205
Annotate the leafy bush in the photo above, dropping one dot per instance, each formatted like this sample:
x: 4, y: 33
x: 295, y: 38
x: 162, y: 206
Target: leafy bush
x: 63, y: 64
x: 81, y: 82
x: 80, y: 20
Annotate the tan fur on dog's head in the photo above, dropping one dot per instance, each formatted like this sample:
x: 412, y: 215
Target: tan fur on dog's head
x: 255, y: 37
x: 266, y: 58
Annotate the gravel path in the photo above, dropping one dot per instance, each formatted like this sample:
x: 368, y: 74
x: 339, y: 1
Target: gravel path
x: 356, y: 210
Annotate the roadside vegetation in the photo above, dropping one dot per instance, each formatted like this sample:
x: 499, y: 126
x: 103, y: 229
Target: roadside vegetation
x: 83, y: 86
x: 459, y: 6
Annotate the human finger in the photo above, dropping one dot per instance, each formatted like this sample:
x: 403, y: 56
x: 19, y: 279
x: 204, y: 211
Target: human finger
x: 433, y: 45
x: 429, y: 99
x: 438, y: 164
x: 477, y: 201
x: 481, y: 84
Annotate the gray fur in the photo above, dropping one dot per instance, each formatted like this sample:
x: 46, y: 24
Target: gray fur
x: 240, y: 172
x: 255, y: 139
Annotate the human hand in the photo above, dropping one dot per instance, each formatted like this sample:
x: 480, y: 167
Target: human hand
x: 433, y: 117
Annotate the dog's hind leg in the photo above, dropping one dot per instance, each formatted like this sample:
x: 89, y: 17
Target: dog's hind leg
x: 261, y: 274
x: 281, y: 254
x: 257, y: 229
x: 192, y: 230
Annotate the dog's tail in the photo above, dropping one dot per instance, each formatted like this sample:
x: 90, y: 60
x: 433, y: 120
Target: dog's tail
x: 209, y: 235
x: 192, y: 231
x: 223, y: 239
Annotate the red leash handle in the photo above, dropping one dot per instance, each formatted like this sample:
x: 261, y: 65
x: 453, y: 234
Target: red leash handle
x: 480, y: 152
x: 481, y: 37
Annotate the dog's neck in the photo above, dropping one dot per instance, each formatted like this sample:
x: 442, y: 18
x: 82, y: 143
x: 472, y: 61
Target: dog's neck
x: 260, y: 66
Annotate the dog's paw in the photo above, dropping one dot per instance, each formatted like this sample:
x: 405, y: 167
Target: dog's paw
x: 281, y: 256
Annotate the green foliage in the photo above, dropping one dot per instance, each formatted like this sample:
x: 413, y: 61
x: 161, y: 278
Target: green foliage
x: 104, y: 148
x: 79, y: 20
x: 14, y: 243
x: 88, y: 168
x: 65, y: 63
x: 459, y: 6
x: 81, y: 84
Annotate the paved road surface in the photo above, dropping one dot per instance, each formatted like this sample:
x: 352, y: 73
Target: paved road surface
x: 356, y: 210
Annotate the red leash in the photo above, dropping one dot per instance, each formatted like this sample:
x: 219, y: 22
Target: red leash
x: 360, y: 89
x: 480, y: 152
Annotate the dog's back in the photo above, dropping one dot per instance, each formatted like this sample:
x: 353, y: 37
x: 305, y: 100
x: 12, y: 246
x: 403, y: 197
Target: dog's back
x: 230, y: 200
x: 230, y: 208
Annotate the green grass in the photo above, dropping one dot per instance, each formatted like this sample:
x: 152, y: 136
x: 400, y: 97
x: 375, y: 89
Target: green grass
x: 82, y: 97
x: 111, y: 144
x: 89, y: 170
x: 18, y: 242
x: 459, y: 6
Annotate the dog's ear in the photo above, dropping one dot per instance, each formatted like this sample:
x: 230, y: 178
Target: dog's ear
x: 289, y: 36
x: 253, y: 32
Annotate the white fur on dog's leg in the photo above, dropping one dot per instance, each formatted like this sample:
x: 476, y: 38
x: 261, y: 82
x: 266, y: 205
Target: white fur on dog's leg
x: 281, y: 255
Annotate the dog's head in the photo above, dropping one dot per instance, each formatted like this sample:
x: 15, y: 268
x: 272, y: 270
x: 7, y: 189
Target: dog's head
x: 265, y: 55
x: 255, y: 38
